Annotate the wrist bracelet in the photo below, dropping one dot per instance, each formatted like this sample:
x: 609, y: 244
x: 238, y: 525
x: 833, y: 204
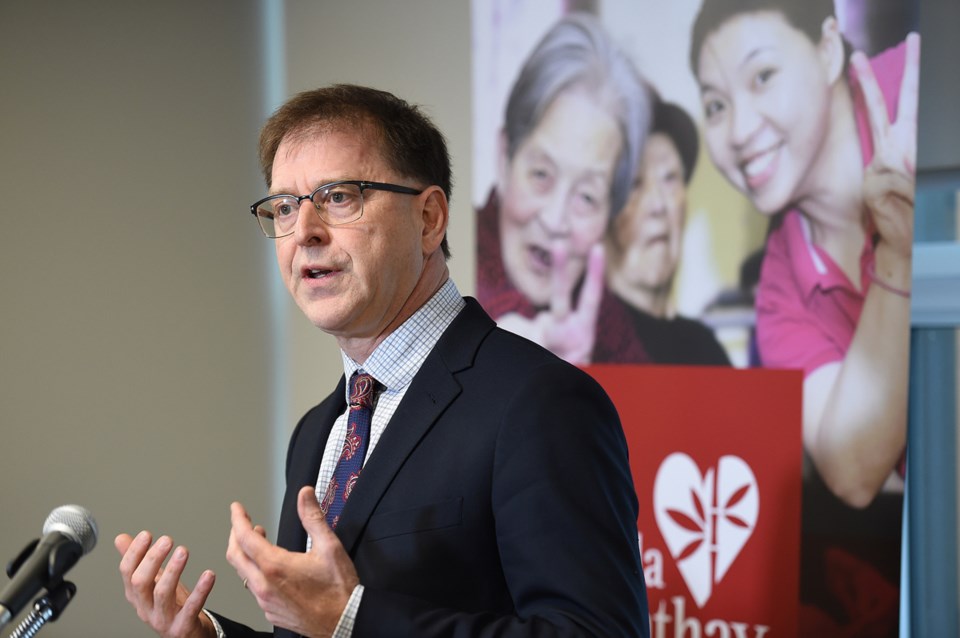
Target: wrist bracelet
x: 872, y: 275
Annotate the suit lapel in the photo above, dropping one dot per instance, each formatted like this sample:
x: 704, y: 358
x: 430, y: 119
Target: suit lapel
x: 429, y: 395
x: 433, y: 389
x: 304, y: 466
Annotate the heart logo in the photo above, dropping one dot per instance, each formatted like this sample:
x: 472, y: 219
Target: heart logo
x: 705, y: 519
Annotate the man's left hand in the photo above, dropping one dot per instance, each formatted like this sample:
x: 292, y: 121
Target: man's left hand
x: 305, y: 593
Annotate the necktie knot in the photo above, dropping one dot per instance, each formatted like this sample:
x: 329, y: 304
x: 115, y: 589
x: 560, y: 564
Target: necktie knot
x: 362, y: 388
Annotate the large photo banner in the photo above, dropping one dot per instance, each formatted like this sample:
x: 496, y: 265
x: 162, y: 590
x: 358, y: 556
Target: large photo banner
x: 718, y: 194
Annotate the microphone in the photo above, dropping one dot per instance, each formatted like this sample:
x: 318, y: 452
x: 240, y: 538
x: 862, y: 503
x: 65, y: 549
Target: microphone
x: 69, y: 532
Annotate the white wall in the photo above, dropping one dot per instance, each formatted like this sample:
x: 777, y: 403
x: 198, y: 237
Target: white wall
x: 133, y: 359
x: 136, y: 364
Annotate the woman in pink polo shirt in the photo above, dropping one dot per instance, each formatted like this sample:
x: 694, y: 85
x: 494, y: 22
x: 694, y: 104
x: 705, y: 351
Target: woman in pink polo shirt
x: 823, y: 142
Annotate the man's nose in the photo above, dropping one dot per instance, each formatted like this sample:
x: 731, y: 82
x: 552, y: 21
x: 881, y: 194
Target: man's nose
x: 310, y: 228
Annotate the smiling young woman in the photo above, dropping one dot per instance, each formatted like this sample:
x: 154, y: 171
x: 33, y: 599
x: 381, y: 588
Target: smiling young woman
x: 827, y: 148
x: 824, y: 143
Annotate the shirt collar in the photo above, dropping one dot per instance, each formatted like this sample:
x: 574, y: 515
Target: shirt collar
x: 398, y: 358
x: 812, y: 266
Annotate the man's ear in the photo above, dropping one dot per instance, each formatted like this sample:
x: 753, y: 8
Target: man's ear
x: 832, y: 52
x: 436, y: 215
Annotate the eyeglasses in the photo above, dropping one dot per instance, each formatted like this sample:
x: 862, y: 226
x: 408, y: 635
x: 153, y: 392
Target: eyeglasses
x: 337, y: 203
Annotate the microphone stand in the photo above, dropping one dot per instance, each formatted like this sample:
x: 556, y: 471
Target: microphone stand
x: 45, y: 609
x: 6, y: 615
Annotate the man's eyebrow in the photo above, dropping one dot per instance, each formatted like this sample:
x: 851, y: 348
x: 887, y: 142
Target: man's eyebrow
x: 317, y: 184
x: 292, y: 191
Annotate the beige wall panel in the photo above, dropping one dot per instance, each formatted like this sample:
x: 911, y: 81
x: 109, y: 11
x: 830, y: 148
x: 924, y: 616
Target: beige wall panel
x: 134, y: 364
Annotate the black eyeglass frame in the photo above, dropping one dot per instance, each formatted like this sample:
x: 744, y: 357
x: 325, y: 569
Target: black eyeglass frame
x: 359, y: 183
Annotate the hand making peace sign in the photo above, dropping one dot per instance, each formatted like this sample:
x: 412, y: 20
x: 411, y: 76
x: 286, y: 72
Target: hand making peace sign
x: 889, y: 181
x: 568, y: 332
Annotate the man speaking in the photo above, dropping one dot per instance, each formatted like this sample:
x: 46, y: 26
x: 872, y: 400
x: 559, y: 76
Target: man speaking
x: 460, y: 480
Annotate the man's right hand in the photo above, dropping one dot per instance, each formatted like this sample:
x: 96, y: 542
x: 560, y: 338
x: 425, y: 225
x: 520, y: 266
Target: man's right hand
x: 157, y: 594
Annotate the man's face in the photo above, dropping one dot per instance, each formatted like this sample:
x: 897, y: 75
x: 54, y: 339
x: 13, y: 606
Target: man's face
x: 350, y: 280
x: 648, y: 232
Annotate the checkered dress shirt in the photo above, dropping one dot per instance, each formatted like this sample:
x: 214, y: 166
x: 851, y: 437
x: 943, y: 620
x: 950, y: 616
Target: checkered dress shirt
x: 394, y: 363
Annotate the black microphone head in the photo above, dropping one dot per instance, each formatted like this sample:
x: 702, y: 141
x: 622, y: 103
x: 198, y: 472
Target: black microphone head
x: 75, y: 522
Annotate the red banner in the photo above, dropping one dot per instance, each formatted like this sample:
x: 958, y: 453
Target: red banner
x: 716, y: 457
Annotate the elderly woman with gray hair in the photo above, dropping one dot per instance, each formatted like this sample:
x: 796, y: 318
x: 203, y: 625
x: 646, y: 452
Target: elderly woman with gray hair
x: 575, y: 125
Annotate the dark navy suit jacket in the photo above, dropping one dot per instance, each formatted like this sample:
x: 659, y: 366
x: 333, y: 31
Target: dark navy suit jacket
x: 498, y: 501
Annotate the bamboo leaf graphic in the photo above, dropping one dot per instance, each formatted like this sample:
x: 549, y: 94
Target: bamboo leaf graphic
x: 685, y: 521
x: 737, y: 496
x: 689, y: 549
x: 698, y: 505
